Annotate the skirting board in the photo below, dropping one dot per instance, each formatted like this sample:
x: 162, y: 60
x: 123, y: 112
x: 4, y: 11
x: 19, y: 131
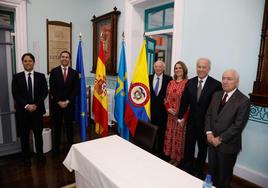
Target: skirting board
x: 251, y: 175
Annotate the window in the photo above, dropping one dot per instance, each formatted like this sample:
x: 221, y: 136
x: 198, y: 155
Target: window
x: 159, y: 18
x: 7, y: 20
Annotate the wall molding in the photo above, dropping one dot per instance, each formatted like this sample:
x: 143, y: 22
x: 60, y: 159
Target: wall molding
x: 258, y: 114
x: 251, y: 175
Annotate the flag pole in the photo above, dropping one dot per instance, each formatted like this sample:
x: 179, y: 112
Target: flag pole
x: 123, y: 36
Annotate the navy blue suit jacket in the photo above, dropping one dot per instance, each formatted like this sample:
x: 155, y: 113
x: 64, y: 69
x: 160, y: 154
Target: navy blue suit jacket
x: 60, y: 90
x: 20, y: 92
x: 197, y: 109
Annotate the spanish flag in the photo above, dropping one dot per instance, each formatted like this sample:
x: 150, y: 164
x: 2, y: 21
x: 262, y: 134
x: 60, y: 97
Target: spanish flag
x: 100, y: 103
x: 138, y: 102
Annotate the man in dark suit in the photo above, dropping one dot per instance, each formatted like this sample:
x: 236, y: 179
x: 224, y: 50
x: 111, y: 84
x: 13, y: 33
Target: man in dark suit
x: 197, y: 95
x: 64, y: 87
x: 158, y: 86
x: 226, y: 118
x: 29, y: 89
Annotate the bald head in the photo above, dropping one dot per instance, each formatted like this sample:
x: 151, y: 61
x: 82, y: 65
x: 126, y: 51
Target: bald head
x: 230, y: 80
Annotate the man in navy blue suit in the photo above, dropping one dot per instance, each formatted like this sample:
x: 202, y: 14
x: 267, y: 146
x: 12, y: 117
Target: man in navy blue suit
x: 196, y: 96
x: 29, y: 89
x: 158, y: 87
x: 64, y: 87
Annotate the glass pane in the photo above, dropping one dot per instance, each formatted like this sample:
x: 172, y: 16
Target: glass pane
x: 150, y: 45
x: 5, y: 20
x: 169, y: 16
x: 155, y: 20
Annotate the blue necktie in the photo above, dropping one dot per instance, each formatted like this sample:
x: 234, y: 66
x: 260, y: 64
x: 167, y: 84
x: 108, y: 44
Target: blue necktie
x: 30, y: 88
x: 156, y: 86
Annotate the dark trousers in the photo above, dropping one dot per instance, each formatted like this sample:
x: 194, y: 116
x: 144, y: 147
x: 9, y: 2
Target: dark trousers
x: 194, y: 135
x: 62, y: 118
x: 221, y: 167
x: 26, y: 122
x: 160, y: 143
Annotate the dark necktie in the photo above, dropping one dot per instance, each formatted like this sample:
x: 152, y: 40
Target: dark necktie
x: 30, y: 88
x: 199, y: 89
x: 156, y: 86
x: 64, y: 74
x: 223, y: 101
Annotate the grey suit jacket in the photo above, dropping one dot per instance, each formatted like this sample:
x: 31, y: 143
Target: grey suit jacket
x: 230, y: 121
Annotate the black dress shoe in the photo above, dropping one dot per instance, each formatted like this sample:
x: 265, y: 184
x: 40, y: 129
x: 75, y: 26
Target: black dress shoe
x: 41, y: 158
x: 56, y: 152
x: 27, y: 162
x: 200, y: 175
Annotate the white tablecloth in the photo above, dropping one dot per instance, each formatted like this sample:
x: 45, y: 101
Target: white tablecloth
x: 114, y: 162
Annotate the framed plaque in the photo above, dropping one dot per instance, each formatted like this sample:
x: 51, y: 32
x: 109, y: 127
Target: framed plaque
x: 59, y: 38
x: 107, y: 25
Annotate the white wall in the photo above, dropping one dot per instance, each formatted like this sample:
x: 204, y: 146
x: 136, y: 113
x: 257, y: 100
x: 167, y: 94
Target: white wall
x: 228, y: 32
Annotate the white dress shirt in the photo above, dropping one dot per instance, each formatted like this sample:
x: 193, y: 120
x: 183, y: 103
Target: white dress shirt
x: 62, y: 69
x: 204, y: 81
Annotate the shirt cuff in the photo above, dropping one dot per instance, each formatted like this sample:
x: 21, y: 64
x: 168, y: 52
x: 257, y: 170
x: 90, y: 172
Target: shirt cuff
x: 180, y: 120
x: 208, y: 132
x: 26, y: 106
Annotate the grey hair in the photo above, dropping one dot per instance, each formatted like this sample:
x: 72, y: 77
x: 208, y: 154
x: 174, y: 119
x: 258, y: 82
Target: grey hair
x: 235, y: 72
x: 206, y: 59
x: 162, y: 62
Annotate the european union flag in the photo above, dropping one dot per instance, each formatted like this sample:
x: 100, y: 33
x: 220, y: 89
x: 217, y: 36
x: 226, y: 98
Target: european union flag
x: 81, y: 99
x: 121, y: 94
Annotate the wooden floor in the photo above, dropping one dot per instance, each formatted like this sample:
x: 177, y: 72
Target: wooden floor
x: 50, y: 175
x: 53, y: 174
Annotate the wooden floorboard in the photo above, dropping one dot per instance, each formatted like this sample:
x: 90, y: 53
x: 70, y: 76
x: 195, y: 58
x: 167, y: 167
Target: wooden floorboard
x: 13, y: 173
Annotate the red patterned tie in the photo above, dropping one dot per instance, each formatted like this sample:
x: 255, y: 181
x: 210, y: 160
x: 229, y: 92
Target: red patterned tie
x: 223, y: 101
x: 64, y: 74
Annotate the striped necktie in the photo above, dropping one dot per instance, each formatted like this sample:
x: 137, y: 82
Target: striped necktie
x: 156, y: 87
x: 64, y: 74
x: 199, y: 89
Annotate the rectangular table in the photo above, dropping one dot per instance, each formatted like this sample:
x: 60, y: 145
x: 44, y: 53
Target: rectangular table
x: 113, y: 162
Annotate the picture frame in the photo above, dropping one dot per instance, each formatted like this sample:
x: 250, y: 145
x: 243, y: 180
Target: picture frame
x: 161, y: 55
x: 107, y: 25
x: 59, y: 38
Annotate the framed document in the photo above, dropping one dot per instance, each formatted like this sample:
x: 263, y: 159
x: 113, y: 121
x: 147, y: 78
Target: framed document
x: 59, y: 38
x: 107, y: 25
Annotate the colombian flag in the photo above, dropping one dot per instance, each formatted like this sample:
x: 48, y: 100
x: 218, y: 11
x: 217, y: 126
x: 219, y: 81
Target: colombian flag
x: 100, y: 103
x: 138, y: 102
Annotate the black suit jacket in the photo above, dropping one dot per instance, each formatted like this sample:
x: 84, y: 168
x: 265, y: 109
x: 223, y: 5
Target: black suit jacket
x: 158, y: 110
x: 20, y: 92
x: 197, y: 109
x: 230, y: 121
x: 61, y: 91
